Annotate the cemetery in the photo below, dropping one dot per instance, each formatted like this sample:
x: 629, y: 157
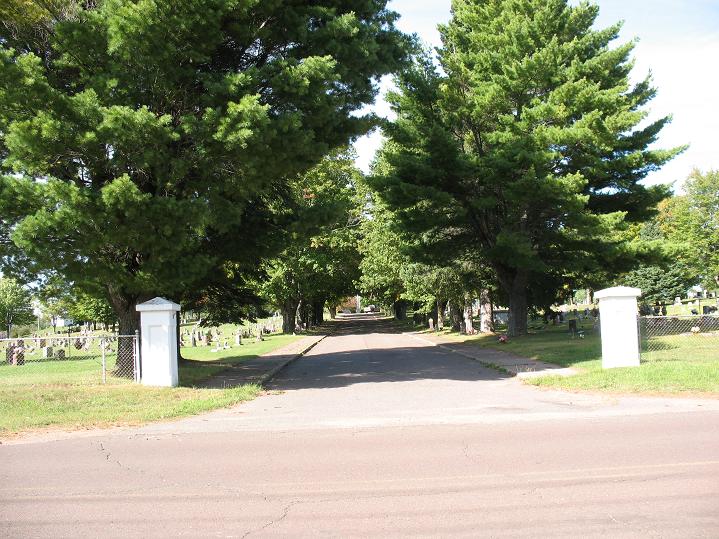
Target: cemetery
x: 257, y: 237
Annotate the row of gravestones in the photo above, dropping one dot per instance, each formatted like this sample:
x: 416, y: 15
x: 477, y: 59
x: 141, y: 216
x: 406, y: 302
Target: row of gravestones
x: 215, y: 336
x: 52, y: 348
x: 695, y: 300
x: 15, y: 354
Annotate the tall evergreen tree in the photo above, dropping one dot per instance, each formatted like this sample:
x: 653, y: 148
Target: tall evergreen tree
x: 146, y: 143
x: 529, y: 149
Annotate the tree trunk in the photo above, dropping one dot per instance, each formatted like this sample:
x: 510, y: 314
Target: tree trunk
x: 180, y: 359
x: 400, y: 309
x: 289, y: 316
x: 515, y: 284
x: 129, y: 322
x: 468, y: 316
x: 455, y: 315
x: 486, y: 324
x: 318, y: 312
x: 304, y: 314
x: 441, y: 307
x: 418, y: 317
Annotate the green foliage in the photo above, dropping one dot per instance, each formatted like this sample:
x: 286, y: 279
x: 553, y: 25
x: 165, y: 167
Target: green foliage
x: 320, y: 262
x: 691, y: 224
x: 87, y: 308
x: 658, y: 283
x: 146, y: 145
x: 528, y: 151
x: 15, y: 304
x: 382, y: 257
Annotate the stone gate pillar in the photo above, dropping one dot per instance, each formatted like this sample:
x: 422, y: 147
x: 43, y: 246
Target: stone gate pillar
x: 619, y: 323
x: 158, y: 337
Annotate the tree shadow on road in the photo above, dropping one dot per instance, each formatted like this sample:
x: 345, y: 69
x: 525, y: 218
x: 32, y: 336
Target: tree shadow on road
x: 406, y: 364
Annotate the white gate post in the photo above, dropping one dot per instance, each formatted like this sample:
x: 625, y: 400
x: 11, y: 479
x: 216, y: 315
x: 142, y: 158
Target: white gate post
x: 158, y: 323
x: 618, y: 317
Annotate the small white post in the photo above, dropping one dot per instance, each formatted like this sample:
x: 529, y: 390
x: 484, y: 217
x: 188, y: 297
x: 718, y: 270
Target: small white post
x: 620, y: 335
x: 158, y: 323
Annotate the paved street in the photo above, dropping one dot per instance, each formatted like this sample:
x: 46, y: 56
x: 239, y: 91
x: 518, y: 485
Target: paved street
x: 379, y: 433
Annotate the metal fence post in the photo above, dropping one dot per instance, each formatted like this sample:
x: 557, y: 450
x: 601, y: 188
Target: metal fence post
x: 639, y: 335
x: 137, y: 362
x: 104, y: 363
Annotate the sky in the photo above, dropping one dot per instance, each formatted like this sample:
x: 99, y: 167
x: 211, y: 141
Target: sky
x: 678, y: 42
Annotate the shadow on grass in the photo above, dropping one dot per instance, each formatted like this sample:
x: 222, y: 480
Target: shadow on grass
x: 554, y: 344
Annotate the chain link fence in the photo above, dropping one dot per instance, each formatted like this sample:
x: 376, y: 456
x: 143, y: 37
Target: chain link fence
x: 675, y: 338
x: 69, y: 360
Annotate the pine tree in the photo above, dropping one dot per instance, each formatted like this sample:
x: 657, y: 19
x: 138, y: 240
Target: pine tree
x: 147, y: 143
x: 529, y: 149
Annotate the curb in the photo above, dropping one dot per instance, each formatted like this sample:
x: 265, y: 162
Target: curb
x: 262, y: 380
x: 521, y: 375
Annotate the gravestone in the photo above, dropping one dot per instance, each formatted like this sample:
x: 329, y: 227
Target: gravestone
x: 573, y: 327
x: 677, y: 300
x: 431, y: 324
x: 47, y: 352
x: 61, y: 354
x: 18, y: 355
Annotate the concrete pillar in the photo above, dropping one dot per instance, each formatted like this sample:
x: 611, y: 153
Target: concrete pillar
x: 620, y: 335
x: 158, y: 325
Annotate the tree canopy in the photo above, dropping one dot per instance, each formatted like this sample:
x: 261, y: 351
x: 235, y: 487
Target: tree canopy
x: 527, y: 150
x: 147, y: 145
x: 15, y: 305
x: 320, y: 261
x: 690, y: 222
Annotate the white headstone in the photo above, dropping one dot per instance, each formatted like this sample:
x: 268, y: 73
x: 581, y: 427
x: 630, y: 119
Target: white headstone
x: 158, y: 323
x: 620, y: 335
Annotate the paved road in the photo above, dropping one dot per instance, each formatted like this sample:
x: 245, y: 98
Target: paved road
x: 376, y: 433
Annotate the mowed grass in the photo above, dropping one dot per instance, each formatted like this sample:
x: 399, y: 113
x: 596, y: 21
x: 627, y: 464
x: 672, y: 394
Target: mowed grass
x: 69, y: 394
x: 677, y: 365
x: 202, y: 362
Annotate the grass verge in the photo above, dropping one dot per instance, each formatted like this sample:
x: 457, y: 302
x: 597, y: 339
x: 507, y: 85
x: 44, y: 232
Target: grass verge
x: 682, y: 369
x: 73, y: 399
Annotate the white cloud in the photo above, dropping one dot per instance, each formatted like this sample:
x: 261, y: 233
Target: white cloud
x: 679, y: 45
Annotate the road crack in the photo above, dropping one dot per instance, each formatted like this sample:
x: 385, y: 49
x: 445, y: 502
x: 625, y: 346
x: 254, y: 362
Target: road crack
x: 285, y: 511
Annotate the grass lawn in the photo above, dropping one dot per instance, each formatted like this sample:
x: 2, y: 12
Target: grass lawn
x: 68, y: 395
x: 678, y: 365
